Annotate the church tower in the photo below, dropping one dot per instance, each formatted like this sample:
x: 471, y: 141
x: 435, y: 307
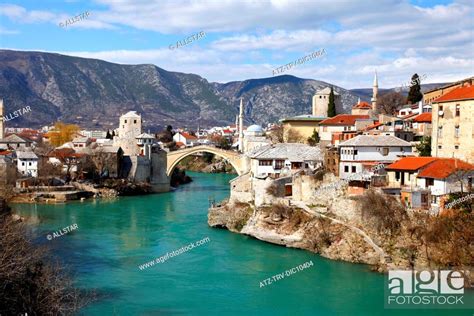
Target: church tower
x: 375, y: 90
x: 2, y: 123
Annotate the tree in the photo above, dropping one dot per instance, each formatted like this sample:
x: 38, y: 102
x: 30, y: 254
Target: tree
x: 224, y: 143
x: 391, y: 102
x: 62, y: 133
x: 314, y: 139
x: 415, y: 95
x: 424, y: 147
x: 293, y: 136
x: 332, y: 104
x: 276, y: 134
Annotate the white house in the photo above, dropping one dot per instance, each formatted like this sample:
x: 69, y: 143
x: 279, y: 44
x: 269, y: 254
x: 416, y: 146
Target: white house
x: 27, y: 163
x: 185, y: 138
x: 361, y: 153
x: 438, y: 176
x: 284, y: 158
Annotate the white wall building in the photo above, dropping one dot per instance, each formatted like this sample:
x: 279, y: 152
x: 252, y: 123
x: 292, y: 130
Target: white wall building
x: 359, y: 154
x: 284, y: 159
x: 27, y: 163
x: 185, y: 138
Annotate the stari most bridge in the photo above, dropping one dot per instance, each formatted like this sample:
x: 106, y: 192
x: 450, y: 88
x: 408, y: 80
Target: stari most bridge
x: 234, y: 158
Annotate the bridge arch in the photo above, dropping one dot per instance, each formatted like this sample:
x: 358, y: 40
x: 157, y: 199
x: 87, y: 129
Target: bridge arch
x: 174, y: 157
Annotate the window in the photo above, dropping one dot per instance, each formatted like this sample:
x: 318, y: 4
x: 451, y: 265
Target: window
x: 429, y: 182
x: 385, y: 151
x: 125, y: 121
x: 456, y: 147
x: 134, y: 121
x: 458, y: 109
x: 320, y: 97
x: 346, y: 168
x: 355, y: 151
x: 441, y: 108
x: 354, y: 169
x: 29, y: 164
x: 22, y: 163
x: 264, y: 162
x: 456, y: 131
x: 440, y: 132
x: 279, y: 164
x: 296, y: 165
x: 439, y: 146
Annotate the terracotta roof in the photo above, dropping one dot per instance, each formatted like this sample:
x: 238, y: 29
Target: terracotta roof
x: 343, y: 119
x: 423, y: 118
x: 180, y: 144
x: 442, y: 168
x: 373, y: 126
x: 227, y: 131
x: 411, y: 163
x: 188, y: 136
x: 362, y: 105
x: 5, y: 152
x: 461, y: 93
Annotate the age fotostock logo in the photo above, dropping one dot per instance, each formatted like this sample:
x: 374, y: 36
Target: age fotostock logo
x: 425, y: 289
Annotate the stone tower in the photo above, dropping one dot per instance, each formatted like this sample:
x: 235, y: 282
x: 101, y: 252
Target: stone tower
x: 2, y: 124
x: 321, y: 102
x: 130, y: 127
x: 375, y: 90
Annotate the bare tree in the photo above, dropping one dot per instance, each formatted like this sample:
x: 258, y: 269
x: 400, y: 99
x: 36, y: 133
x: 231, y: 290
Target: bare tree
x: 391, y: 102
x: 293, y: 136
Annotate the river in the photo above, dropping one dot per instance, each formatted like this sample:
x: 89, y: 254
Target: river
x: 219, y: 277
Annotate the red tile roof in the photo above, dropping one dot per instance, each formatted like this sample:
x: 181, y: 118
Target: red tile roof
x: 343, y: 119
x: 180, y: 144
x: 442, y: 168
x: 188, y: 136
x: 5, y: 152
x: 373, y: 126
x: 461, y: 93
x: 362, y: 105
x: 227, y: 131
x: 423, y: 118
x: 411, y: 163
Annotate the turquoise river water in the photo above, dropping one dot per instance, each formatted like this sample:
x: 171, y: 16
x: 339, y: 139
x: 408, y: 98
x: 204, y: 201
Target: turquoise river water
x: 220, y: 277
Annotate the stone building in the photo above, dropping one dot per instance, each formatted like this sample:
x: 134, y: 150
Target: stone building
x: 321, y: 102
x: 129, y: 128
x: 452, y: 118
x: 143, y: 159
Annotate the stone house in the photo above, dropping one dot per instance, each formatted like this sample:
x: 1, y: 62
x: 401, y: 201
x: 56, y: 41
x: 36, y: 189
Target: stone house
x: 452, y: 124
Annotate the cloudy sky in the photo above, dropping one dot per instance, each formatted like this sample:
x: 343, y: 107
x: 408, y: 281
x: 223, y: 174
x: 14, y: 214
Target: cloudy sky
x: 247, y: 39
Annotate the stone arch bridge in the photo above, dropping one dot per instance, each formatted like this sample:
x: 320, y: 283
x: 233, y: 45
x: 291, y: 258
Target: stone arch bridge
x: 235, y: 159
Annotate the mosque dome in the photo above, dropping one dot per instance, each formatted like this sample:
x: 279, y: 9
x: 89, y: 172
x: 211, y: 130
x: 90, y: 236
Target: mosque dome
x: 255, y: 129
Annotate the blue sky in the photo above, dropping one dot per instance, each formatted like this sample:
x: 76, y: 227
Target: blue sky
x: 248, y: 39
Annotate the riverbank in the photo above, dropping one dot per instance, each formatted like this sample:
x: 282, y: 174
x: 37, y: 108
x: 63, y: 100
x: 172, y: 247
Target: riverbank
x: 115, y: 236
x: 415, y: 241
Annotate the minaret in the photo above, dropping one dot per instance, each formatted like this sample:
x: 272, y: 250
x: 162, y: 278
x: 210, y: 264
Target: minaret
x: 241, y: 126
x: 2, y: 124
x: 375, y: 90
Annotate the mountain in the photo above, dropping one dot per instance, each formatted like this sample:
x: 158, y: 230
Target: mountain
x: 366, y: 93
x: 94, y: 93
